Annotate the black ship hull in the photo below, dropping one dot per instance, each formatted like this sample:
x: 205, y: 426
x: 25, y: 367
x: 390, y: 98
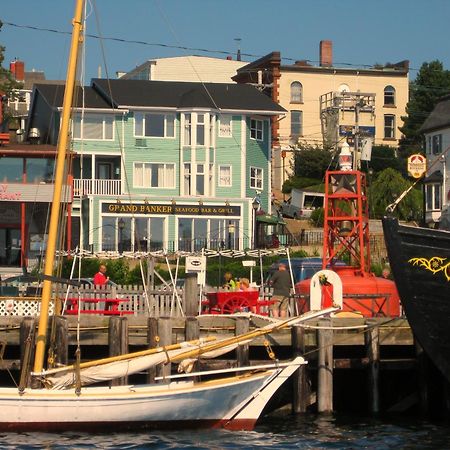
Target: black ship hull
x: 420, y: 263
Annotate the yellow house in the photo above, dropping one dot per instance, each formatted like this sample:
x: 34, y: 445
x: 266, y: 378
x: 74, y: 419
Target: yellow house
x: 325, y: 103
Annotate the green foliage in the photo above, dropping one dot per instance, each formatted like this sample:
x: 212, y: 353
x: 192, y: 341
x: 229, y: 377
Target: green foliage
x: 8, y: 84
x: 383, y: 157
x: 431, y: 83
x: 299, y: 183
x: 311, y: 162
x: 316, y: 218
x: 386, y: 188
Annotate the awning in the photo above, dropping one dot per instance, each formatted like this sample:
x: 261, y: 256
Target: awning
x: 271, y: 219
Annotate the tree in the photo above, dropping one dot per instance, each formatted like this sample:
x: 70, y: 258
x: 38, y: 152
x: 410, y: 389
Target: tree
x: 383, y: 157
x: 8, y: 85
x: 431, y: 83
x: 386, y: 188
x: 311, y: 162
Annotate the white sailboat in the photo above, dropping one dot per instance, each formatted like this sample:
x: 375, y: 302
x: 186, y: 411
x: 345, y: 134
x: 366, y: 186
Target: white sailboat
x: 229, y: 398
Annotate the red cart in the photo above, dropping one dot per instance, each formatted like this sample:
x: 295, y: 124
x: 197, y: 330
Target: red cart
x: 229, y: 302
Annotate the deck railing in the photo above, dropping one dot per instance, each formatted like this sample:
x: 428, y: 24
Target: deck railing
x: 96, y: 187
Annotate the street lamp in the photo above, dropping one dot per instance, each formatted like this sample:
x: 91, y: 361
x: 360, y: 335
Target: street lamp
x: 121, y: 225
x: 255, y: 206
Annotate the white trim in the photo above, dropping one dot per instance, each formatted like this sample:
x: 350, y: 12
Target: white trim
x: 244, y: 180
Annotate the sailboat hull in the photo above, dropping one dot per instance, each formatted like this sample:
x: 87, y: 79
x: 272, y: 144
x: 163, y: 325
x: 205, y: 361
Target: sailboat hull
x: 420, y: 262
x: 234, y: 402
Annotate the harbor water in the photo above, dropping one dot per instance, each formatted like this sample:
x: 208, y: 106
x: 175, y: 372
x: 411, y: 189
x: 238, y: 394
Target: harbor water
x: 279, y: 431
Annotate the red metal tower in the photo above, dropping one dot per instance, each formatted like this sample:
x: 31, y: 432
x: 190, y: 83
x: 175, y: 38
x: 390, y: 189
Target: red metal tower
x: 346, y: 219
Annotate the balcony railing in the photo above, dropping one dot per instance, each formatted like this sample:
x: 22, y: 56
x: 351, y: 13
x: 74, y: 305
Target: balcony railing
x: 96, y: 187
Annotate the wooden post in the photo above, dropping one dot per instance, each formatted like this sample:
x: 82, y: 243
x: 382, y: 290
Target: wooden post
x: 61, y: 346
x: 191, y: 329
x: 325, y: 367
x: 165, y: 338
x: 118, y: 343
x: 27, y: 337
x: 372, y: 341
x: 190, y: 303
x: 152, y: 332
x: 423, y: 377
x: 242, y: 351
x: 301, y: 383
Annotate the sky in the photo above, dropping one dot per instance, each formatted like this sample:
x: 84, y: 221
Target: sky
x: 364, y: 32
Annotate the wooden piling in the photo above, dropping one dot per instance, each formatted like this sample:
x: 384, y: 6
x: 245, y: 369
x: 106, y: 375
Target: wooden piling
x: 118, y: 343
x: 242, y: 351
x: 152, y: 333
x: 372, y: 342
x: 27, y: 337
x: 191, y: 291
x: 325, y: 367
x: 165, y: 338
x: 191, y: 329
x: 301, y: 383
x: 61, y: 345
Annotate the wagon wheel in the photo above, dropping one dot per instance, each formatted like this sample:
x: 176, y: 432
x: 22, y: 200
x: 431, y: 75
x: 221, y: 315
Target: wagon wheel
x: 235, y: 304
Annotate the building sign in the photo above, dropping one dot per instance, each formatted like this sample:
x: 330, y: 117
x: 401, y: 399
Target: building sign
x: 417, y: 165
x: 349, y: 130
x: 177, y: 209
x: 18, y: 192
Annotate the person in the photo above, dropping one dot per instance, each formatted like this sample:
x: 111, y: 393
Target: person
x: 281, y: 283
x: 229, y: 284
x: 100, y: 278
x: 244, y: 284
x: 386, y: 272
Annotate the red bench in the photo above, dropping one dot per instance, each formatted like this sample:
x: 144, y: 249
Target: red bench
x: 110, y: 305
x: 4, y: 138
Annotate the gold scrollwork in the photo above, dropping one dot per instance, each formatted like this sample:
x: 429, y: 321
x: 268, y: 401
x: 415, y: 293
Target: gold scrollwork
x: 435, y: 264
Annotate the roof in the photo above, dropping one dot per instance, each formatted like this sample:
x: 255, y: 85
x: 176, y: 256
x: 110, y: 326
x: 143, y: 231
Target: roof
x: 439, y: 117
x: 54, y: 95
x: 174, y: 94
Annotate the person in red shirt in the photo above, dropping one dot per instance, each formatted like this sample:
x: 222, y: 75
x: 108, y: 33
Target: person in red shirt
x: 100, y: 277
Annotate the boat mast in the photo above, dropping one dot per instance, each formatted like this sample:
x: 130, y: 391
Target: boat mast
x: 59, y: 176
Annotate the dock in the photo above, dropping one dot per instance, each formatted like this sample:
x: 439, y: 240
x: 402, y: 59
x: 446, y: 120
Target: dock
x: 372, y: 365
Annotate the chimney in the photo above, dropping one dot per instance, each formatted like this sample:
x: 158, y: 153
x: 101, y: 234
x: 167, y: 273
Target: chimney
x: 326, y: 53
x: 17, y: 68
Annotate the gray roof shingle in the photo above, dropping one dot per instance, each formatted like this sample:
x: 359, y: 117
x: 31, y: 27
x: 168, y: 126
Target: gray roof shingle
x: 168, y: 94
x: 439, y: 117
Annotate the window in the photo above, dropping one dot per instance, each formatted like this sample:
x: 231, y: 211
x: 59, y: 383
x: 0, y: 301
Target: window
x: 200, y: 180
x: 296, y: 125
x: 256, y: 129
x: 389, y: 96
x: 225, y: 176
x: 200, y: 129
x: 296, y: 92
x: 155, y: 175
x: 389, y: 126
x: 187, y: 130
x: 154, y: 125
x: 429, y: 145
x: 256, y: 178
x: 433, y: 197
x: 436, y: 144
x: 225, y: 126
x: 93, y: 127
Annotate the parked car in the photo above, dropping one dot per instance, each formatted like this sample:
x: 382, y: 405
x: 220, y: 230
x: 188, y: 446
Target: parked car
x: 302, y: 267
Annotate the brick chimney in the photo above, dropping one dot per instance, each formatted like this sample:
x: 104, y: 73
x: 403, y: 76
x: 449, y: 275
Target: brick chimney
x: 17, y: 68
x: 326, y: 53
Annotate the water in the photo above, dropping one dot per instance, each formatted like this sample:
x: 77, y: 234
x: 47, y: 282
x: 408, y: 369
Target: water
x: 281, y: 431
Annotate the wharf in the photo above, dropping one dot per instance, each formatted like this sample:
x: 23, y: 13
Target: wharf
x: 369, y: 364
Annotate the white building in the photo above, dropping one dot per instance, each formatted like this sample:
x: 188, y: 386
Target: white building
x: 436, y: 129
